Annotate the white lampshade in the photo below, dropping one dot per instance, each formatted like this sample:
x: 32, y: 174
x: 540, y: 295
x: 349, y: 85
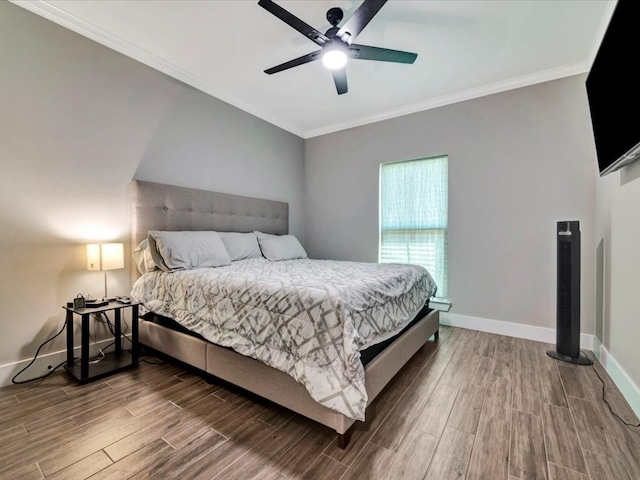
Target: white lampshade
x: 105, y: 256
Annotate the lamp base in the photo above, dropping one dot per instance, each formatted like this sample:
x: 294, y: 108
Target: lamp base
x: 107, y: 297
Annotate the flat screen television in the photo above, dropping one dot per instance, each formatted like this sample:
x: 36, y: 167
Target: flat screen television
x: 613, y: 90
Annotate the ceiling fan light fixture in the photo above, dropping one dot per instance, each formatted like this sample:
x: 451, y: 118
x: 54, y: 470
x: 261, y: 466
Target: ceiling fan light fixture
x: 334, y: 58
x: 336, y: 44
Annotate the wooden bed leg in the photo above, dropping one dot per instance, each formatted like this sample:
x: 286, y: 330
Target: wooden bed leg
x: 436, y: 335
x: 345, y: 438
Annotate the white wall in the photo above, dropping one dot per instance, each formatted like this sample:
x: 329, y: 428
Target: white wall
x: 78, y: 122
x: 519, y: 161
x: 618, y: 228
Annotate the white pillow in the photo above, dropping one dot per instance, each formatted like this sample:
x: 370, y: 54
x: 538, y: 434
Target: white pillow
x: 142, y: 257
x: 186, y: 250
x: 241, y: 245
x: 280, y: 247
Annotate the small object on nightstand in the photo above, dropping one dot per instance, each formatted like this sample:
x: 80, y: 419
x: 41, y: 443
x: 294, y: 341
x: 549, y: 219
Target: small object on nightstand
x: 125, y: 300
x: 78, y: 302
x: 95, y: 303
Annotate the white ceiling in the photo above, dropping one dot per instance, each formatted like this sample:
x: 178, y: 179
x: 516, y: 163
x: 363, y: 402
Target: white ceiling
x: 465, y: 49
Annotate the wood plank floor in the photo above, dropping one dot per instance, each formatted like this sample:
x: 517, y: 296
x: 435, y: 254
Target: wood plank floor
x: 470, y: 406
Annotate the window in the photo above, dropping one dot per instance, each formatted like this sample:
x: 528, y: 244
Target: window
x: 413, y: 216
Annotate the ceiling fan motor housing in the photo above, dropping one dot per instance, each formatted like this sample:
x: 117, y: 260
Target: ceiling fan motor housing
x: 335, y: 16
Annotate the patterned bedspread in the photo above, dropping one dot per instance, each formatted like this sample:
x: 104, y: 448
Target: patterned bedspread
x: 306, y: 318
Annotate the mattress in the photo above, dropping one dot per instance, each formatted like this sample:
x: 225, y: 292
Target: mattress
x: 307, y: 318
x: 366, y: 354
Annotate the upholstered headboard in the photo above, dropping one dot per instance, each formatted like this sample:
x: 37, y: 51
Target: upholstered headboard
x: 156, y: 206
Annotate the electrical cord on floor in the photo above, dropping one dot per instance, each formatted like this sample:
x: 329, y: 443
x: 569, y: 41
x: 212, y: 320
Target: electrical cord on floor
x: 19, y: 382
x: 633, y: 425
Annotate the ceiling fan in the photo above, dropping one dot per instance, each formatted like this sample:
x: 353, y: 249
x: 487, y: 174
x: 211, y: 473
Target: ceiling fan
x: 337, y: 42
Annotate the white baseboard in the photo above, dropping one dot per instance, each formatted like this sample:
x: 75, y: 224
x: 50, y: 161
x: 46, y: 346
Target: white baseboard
x: 531, y: 332
x: 623, y: 381
x: 630, y: 391
x: 43, y: 362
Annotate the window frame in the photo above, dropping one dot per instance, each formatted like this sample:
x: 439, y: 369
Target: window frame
x: 443, y: 300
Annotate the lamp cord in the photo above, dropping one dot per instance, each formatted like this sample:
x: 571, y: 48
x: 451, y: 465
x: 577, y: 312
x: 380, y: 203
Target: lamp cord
x: 103, y: 318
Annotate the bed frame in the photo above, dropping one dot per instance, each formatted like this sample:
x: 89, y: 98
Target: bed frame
x: 157, y: 206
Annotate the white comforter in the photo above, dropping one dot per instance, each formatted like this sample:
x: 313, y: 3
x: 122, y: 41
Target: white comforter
x: 307, y: 318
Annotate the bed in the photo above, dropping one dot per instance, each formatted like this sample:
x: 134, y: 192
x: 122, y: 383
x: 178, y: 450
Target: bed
x: 159, y: 207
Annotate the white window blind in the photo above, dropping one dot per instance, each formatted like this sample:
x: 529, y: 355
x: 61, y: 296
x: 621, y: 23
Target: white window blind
x: 413, y: 216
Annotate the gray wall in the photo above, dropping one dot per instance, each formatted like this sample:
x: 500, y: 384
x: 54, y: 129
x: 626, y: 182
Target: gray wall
x: 78, y: 121
x: 518, y: 162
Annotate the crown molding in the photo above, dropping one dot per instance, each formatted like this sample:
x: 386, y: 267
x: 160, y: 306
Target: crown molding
x: 602, y: 28
x: 71, y: 22
x: 470, y: 94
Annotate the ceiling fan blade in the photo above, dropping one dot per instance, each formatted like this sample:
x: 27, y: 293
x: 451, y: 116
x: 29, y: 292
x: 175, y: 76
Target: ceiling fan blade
x: 360, y: 18
x: 340, y: 79
x: 308, y: 31
x: 309, y: 57
x: 365, y: 52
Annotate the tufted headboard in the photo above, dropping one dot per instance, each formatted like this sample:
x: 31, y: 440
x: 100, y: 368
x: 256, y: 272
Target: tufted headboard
x: 156, y: 206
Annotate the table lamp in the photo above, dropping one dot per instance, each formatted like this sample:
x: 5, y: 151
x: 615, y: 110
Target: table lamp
x: 103, y: 257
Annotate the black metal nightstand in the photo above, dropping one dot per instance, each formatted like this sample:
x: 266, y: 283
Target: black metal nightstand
x: 113, y: 362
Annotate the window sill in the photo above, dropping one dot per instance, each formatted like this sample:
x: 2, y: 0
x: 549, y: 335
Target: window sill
x: 442, y: 304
